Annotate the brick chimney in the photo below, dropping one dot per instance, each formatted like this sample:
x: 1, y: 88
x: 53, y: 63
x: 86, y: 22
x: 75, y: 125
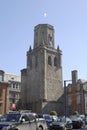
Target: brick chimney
x: 74, y: 76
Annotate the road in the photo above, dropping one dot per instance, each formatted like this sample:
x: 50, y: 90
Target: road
x: 81, y: 129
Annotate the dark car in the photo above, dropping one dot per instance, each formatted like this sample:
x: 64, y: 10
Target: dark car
x: 57, y: 125
x: 67, y: 121
x: 62, y: 123
x: 77, y: 121
x: 47, y: 118
x: 8, y: 126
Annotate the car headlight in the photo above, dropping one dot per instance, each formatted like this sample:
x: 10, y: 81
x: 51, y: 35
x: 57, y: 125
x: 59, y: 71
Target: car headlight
x: 62, y: 125
x: 50, y: 124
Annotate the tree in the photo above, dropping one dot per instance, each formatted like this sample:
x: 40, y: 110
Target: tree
x: 53, y: 113
x: 75, y: 113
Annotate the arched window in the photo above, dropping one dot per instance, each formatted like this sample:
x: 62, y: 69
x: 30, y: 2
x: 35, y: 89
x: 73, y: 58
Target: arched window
x: 50, y: 40
x: 49, y: 60
x: 55, y: 61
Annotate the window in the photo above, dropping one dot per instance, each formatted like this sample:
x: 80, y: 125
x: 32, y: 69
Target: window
x: 49, y: 60
x: 31, y: 117
x: 13, y: 85
x: 16, y: 85
x: 1, y: 93
x: 50, y: 40
x: 36, y: 61
x: 12, y: 78
x: 0, y: 77
x: 30, y: 63
x: 55, y: 61
x: 59, y: 60
x: 25, y: 117
x: 0, y: 108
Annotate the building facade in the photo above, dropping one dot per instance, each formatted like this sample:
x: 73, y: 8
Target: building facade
x: 41, y: 80
x: 11, y: 88
x: 3, y: 95
x: 76, y: 95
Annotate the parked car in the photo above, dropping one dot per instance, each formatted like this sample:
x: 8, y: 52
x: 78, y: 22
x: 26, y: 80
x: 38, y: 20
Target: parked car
x: 77, y: 121
x: 19, y: 121
x: 47, y: 118
x: 67, y: 121
x: 57, y: 125
x: 62, y: 123
x: 54, y: 117
x: 41, y: 123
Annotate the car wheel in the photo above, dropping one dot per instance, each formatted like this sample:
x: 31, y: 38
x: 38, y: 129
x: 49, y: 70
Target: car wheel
x: 71, y: 127
x: 64, y: 128
x: 40, y: 128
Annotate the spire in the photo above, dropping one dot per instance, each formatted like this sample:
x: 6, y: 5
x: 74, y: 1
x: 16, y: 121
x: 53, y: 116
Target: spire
x: 30, y: 49
x: 58, y: 48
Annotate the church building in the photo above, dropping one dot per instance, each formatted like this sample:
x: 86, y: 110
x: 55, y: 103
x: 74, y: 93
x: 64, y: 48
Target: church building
x: 41, y: 80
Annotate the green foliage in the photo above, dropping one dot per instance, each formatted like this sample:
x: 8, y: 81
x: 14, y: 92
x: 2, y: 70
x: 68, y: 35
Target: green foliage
x: 75, y: 113
x: 86, y: 113
x: 53, y: 113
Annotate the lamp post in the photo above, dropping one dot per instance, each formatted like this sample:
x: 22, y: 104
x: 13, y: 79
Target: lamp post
x: 84, y: 101
x: 65, y: 106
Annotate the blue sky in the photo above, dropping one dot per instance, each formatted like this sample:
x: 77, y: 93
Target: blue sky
x: 17, y: 21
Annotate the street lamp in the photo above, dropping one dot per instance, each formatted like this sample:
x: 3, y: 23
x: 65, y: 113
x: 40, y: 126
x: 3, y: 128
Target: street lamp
x: 84, y: 101
x: 65, y: 106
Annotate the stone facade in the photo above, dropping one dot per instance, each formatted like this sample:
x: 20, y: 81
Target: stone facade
x: 41, y: 81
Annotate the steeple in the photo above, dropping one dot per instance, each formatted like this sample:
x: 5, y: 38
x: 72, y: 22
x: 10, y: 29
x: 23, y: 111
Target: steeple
x: 58, y: 48
x: 30, y: 49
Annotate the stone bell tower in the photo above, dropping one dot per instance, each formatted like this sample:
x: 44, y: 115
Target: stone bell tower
x: 44, y: 35
x: 42, y: 86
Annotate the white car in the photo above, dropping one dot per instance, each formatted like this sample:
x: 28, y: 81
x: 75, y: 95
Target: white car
x: 18, y: 121
x: 41, y: 123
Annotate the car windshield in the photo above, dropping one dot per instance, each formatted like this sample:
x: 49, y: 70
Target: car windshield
x: 65, y: 120
x: 11, y: 117
x: 48, y: 117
